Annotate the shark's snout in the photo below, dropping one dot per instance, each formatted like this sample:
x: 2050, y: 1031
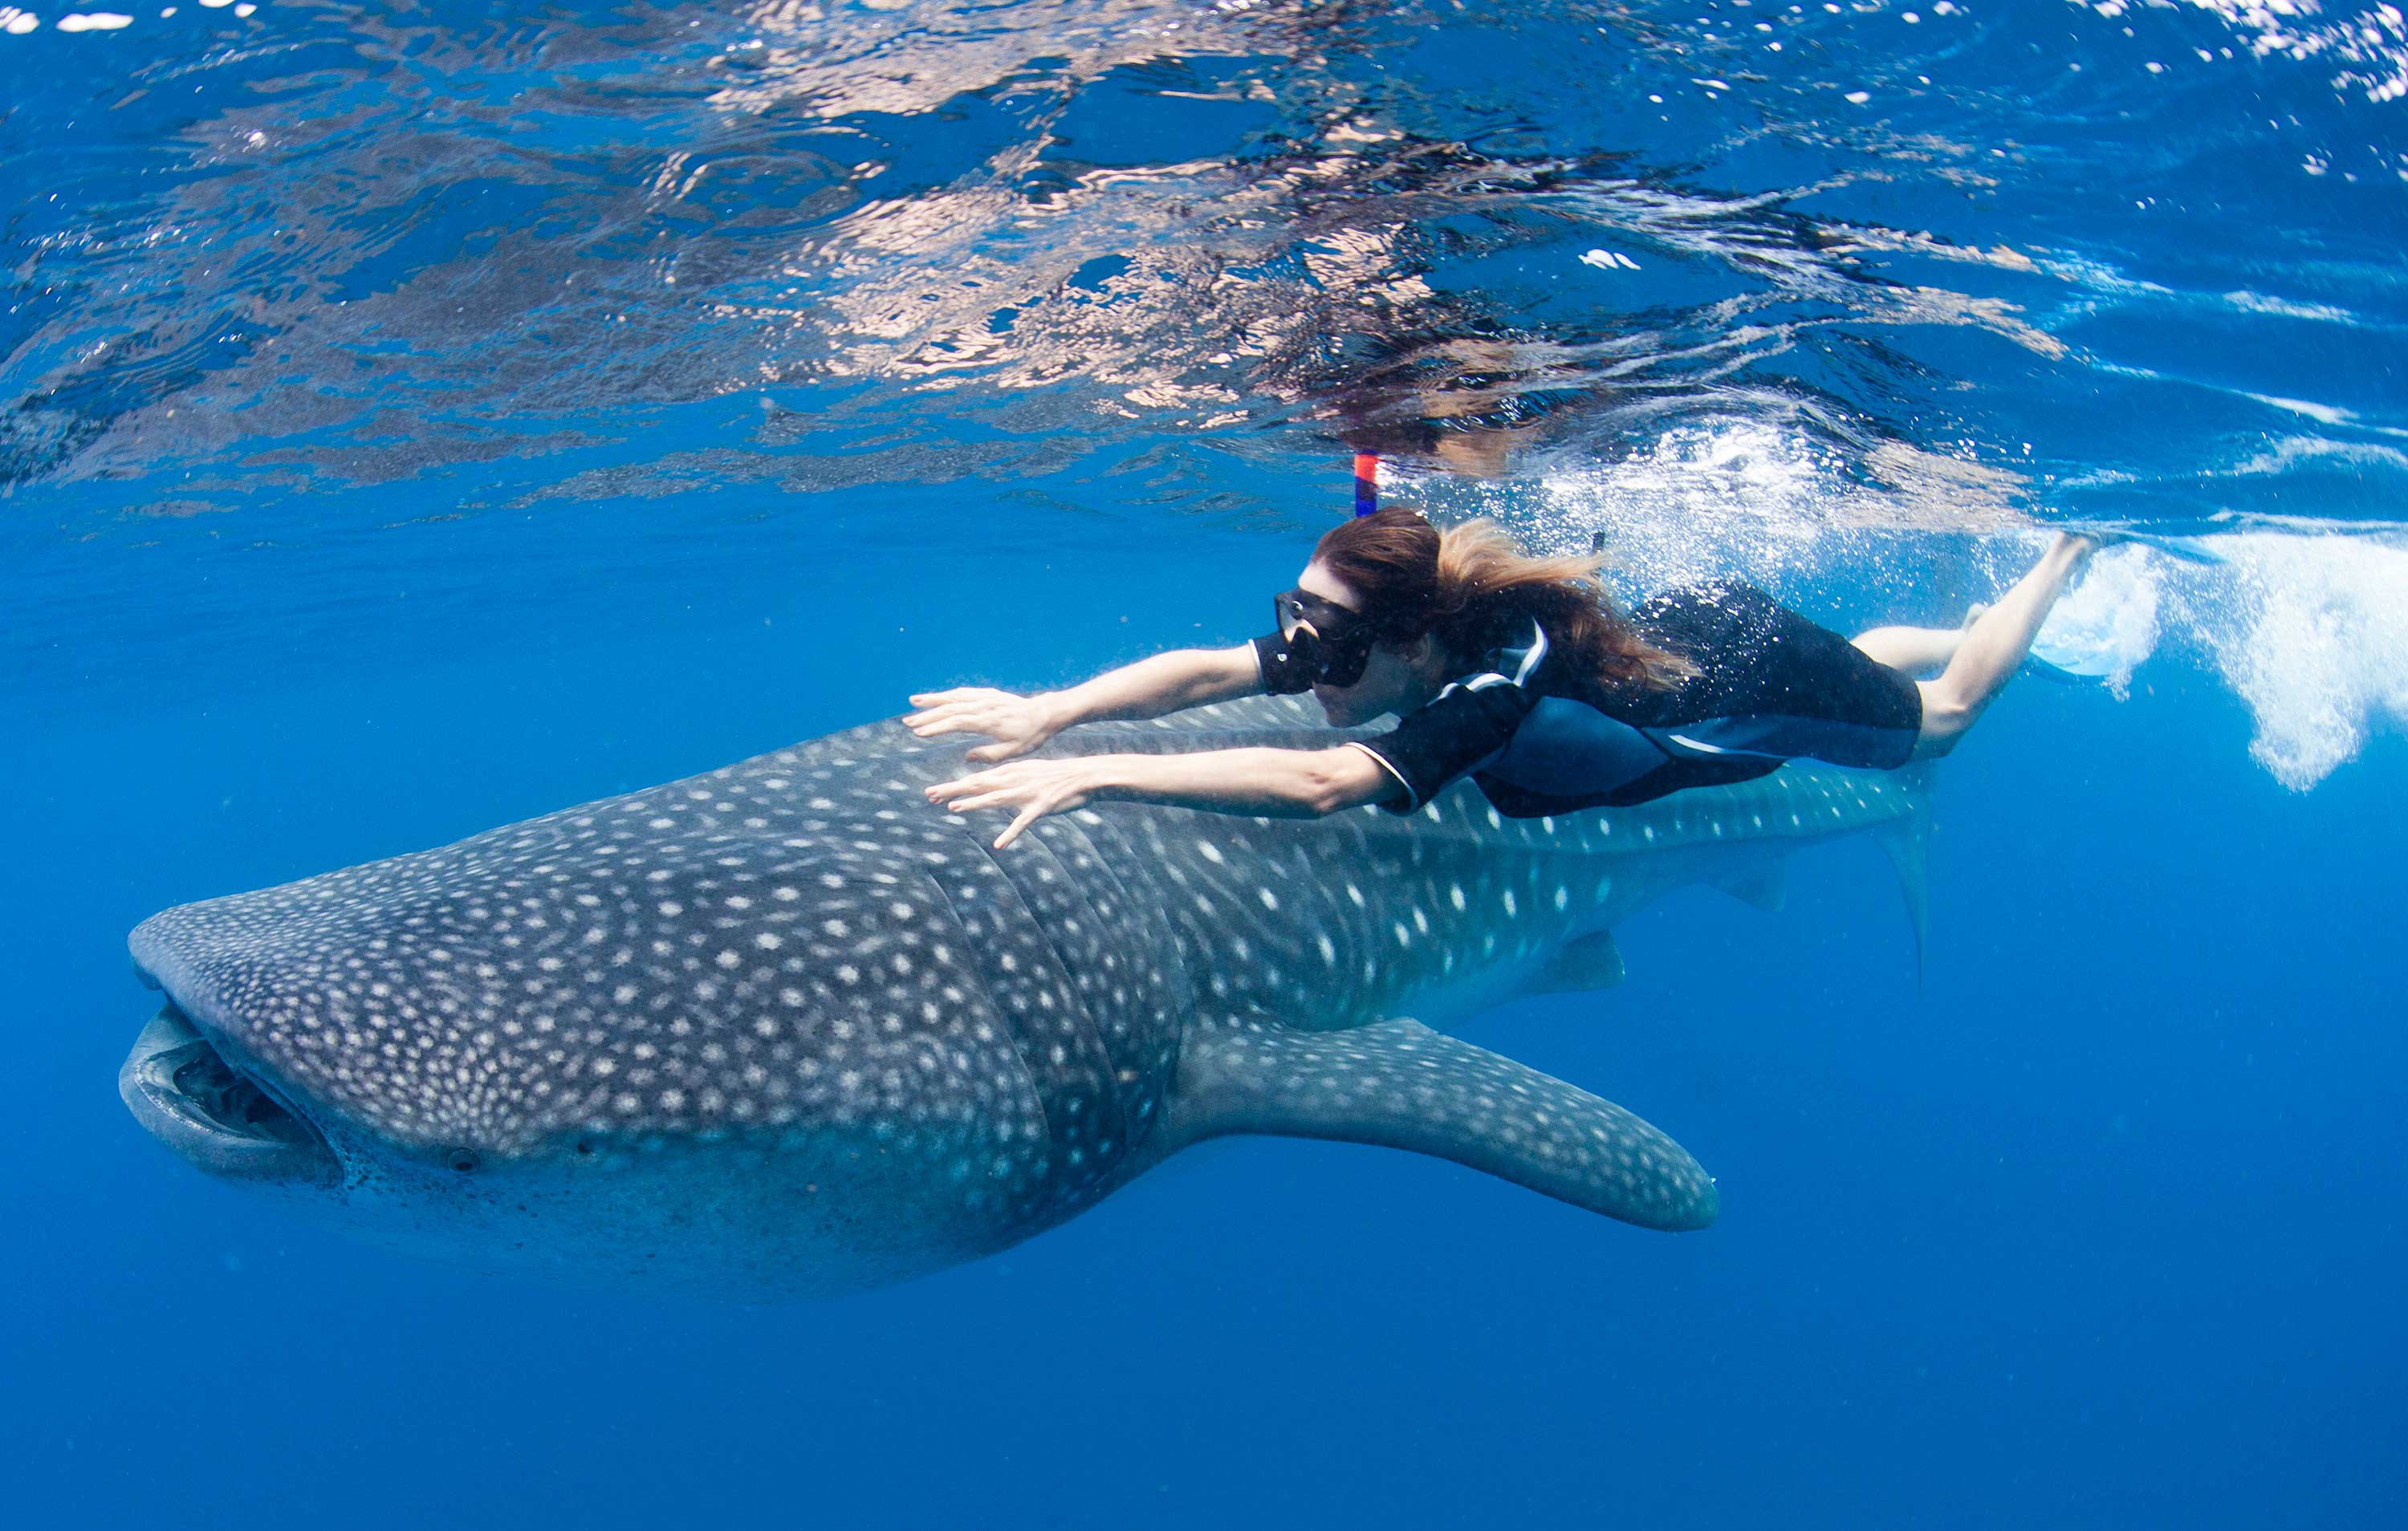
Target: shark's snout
x: 188, y: 1095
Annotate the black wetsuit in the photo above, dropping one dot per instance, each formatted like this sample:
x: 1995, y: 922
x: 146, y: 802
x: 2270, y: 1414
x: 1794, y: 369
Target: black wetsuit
x: 1539, y: 738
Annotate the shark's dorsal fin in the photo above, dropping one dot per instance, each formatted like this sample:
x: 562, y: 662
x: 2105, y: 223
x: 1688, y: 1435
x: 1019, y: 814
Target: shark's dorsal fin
x: 1400, y: 1084
x: 1585, y: 963
x: 1907, y: 843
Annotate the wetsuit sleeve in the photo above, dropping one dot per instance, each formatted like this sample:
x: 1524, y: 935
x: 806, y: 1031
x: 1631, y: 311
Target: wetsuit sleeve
x: 1461, y: 730
x: 1282, y: 675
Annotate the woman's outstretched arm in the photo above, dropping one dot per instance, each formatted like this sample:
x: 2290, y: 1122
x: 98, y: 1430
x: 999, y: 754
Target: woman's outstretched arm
x: 1170, y: 682
x: 1276, y: 783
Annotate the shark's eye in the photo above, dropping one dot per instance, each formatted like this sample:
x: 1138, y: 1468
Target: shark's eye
x: 462, y: 1159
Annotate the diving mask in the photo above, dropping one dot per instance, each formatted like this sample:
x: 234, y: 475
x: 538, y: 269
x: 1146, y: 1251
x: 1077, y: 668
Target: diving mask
x: 1331, y: 642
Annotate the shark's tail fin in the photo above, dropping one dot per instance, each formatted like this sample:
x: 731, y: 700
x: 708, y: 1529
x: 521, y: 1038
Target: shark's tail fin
x: 1400, y: 1084
x: 1907, y: 841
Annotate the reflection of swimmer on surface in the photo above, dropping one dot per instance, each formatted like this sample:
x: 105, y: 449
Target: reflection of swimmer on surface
x: 1514, y: 670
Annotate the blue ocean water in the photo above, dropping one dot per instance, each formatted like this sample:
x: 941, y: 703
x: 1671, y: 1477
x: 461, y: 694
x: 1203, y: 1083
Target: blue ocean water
x: 416, y: 417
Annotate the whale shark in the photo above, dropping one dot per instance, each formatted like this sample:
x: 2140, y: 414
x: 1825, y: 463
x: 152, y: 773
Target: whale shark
x: 785, y: 1029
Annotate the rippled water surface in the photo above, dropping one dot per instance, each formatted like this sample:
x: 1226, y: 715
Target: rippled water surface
x: 417, y: 416
x: 2109, y: 258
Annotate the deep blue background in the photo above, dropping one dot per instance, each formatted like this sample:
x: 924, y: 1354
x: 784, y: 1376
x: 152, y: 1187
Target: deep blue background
x: 364, y: 484
x: 2102, y: 1227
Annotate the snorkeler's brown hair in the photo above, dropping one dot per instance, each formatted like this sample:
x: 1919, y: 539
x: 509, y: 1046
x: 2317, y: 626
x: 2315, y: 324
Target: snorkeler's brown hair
x: 1468, y: 583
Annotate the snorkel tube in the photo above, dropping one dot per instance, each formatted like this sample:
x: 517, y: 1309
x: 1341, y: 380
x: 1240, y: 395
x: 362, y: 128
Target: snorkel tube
x: 1367, y: 482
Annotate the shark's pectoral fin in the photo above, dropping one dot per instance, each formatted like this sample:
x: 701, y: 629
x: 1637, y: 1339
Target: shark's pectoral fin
x: 1400, y: 1084
x: 1591, y: 962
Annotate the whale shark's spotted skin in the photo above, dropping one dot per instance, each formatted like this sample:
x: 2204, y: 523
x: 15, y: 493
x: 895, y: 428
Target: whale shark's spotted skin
x: 893, y: 1047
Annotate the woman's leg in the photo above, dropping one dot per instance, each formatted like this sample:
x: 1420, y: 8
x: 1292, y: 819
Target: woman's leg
x: 1993, y: 648
x: 1916, y: 651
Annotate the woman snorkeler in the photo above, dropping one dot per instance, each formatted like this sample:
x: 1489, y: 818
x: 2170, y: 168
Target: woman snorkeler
x: 1514, y: 670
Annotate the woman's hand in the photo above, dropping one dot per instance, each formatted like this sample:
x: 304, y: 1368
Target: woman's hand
x: 1033, y: 788
x: 1016, y: 723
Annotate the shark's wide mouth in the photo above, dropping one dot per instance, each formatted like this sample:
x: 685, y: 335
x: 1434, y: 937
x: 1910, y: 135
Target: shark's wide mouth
x: 182, y: 1088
